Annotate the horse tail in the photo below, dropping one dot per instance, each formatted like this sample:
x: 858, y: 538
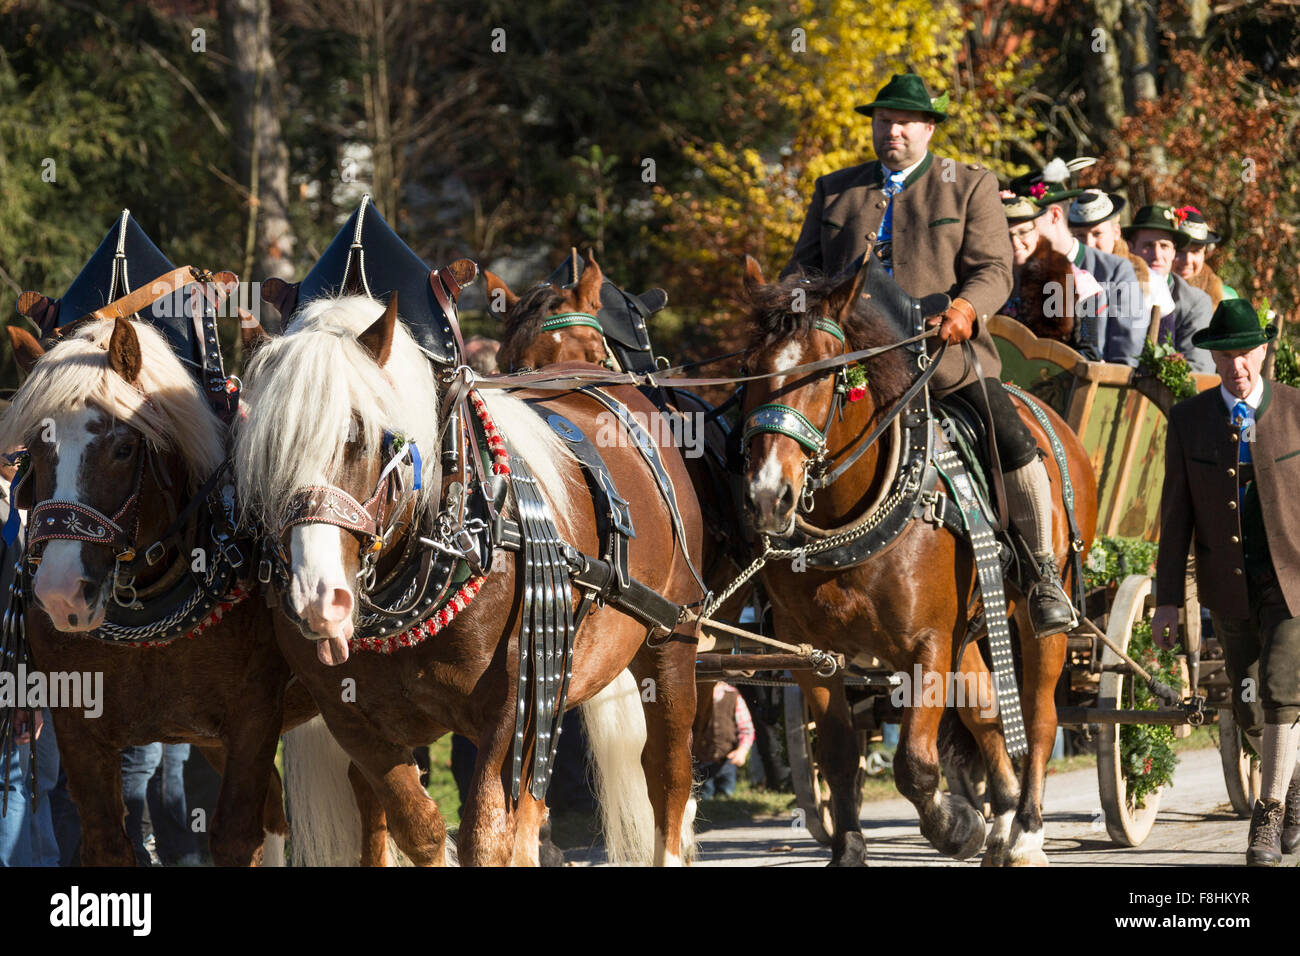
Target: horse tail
x: 616, y: 735
x: 324, y: 825
x: 961, y: 760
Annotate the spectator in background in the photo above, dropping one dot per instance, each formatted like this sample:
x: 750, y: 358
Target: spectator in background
x: 155, y: 773
x: 1156, y: 237
x: 481, y: 353
x: 27, y: 829
x: 724, y: 735
x: 1190, y: 261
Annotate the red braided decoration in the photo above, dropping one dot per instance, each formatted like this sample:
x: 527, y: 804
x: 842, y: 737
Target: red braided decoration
x: 233, y: 598
x: 427, y: 628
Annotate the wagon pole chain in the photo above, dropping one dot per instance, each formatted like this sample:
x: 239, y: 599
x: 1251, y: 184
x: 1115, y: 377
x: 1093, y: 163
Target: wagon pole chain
x: 1157, y: 688
x: 770, y: 552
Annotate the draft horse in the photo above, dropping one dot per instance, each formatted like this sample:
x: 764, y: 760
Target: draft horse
x: 120, y: 439
x: 325, y: 463
x: 909, y: 602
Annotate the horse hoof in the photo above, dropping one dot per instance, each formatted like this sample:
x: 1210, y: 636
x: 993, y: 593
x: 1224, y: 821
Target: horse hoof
x: 959, y: 830
x: 995, y: 856
x: 854, y: 852
x: 1032, y: 858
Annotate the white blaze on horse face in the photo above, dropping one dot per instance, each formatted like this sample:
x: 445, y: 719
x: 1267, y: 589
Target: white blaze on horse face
x: 786, y: 359
x: 771, y: 475
x: 319, y: 591
x: 61, y: 573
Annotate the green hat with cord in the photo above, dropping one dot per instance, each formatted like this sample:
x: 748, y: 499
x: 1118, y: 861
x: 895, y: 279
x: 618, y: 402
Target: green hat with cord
x: 1234, y: 326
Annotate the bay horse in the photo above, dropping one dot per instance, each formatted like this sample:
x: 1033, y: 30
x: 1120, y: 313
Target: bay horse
x: 113, y: 424
x: 326, y: 402
x: 910, y: 602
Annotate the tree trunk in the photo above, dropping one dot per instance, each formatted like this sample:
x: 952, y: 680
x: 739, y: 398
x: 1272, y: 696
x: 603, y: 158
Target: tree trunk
x: 261, y: 156
x: 1101, y: 69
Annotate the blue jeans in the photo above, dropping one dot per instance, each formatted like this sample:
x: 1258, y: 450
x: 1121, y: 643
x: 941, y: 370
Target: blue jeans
x: 138, y: 765
x: 169, y: 810
x: 720, y: 777
x: 27, y: 834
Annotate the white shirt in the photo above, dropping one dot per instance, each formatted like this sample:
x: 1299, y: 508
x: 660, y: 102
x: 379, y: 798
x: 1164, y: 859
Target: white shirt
x: 1253, y: 399
x: 906, y: 172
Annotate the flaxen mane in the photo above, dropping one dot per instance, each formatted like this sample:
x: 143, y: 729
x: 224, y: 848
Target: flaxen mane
x: 165, y: 405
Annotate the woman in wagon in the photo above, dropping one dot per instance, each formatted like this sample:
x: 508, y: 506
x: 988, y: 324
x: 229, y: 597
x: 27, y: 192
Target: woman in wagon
x: 1190, y: 261
x: 1232, y: 462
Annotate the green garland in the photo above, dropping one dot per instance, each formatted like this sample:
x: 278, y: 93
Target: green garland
x: 1147, y: 750
x: 1169, y: 366
x: 1110, y: 560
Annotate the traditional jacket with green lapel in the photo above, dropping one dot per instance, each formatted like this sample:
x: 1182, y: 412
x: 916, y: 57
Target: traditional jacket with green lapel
x: 949, y: 234
x: 1201, y: 498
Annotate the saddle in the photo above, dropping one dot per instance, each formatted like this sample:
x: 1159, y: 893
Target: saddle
x: 366, y: 257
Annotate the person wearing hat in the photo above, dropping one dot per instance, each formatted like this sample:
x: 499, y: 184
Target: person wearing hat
x: 1190, y: 261
x: 1232, y: 462
x: 1118, y: 314
x: 939, y: 227
x: 1052, y: 296
x: 1154, y: 235
x: 1094, y: 221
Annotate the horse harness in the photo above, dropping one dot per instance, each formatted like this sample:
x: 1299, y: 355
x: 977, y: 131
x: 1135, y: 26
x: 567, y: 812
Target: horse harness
x: 931, y: 483
x: 195, y: 598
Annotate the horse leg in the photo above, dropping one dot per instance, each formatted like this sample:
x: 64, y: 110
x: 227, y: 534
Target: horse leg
x: 978, y: 712
x: 840, y: 761
x: 951, y: 824
x: 486, y: 836
x: 95, y: 783
x: 405, y: 806
x: 666, y: 758
x: 374, y: 824
x: 275, y: 826
x: 1042, y: 660
x: 237, y: 832
x: 529, y: 816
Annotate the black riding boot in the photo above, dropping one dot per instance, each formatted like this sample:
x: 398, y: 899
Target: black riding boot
x: 1265, y: 834
x: 1050, y: 610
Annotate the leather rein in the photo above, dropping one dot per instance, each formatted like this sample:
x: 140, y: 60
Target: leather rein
x: 780, y: 419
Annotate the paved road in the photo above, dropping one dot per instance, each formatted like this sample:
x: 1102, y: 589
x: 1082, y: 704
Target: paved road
x: 1195, y: 827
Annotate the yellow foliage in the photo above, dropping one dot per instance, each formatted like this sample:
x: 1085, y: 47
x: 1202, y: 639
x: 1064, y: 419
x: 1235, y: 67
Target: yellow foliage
x: 847, y: 51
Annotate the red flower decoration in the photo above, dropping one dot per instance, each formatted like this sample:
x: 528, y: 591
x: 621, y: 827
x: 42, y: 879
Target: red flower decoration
x: 1038, y: 190
x: 857, y: 393
x: 1182, y: 211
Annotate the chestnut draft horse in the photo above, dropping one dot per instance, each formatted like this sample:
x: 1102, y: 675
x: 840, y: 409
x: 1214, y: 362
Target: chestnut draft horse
x: 532, y: 338
x: 336, y: 405
x: 908, y: 603
x: 115, y: 426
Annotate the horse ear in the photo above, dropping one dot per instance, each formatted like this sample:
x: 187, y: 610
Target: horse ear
x: 378, y: 339
x: 251, y: 333
x: 283, y: 295
x: 26, y: 348
x: 496, y: 285
x: 41, y: 309
x: 590, y: 283
x: 753, y: 275
x: 124, y: 351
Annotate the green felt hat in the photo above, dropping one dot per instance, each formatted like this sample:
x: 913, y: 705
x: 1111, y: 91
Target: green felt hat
x: 1161, y: 218
x: 906, y: 91
x: 1234, y: 326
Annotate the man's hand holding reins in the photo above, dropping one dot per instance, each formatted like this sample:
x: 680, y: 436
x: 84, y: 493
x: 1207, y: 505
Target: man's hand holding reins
x: 956, y: 323
x: 1164, y: 626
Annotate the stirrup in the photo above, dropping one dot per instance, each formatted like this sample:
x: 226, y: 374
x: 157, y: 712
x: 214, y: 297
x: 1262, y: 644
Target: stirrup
x: 1050, y: 591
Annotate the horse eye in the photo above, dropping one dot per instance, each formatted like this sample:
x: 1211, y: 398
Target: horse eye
x: 125, y: 450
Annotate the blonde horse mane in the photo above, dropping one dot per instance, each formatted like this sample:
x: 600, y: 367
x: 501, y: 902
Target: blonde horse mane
x: 165, y: 405
x: 308, y: 388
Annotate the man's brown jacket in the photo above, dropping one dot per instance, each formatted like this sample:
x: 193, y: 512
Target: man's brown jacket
x: 1200, y: 497
x: 949, y: 234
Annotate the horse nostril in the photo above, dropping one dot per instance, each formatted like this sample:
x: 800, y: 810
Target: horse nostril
x: 787, y: 496
x: 88, y: 591
x: 72, y: 620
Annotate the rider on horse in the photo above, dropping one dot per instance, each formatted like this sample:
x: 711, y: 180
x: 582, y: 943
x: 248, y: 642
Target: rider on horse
x: 939, y: 226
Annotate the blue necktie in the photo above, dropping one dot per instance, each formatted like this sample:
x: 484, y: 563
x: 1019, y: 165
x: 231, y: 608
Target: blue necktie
x: 893, y: 186
x: 1243, y: 417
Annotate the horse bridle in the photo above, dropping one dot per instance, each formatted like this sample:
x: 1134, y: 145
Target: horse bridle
x: 780, y: 419
x: 372, y: 522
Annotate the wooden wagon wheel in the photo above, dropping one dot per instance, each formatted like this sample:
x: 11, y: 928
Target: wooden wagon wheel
x: 1241, y: 770
x: 810, y: 791
x: 1127, y: 825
